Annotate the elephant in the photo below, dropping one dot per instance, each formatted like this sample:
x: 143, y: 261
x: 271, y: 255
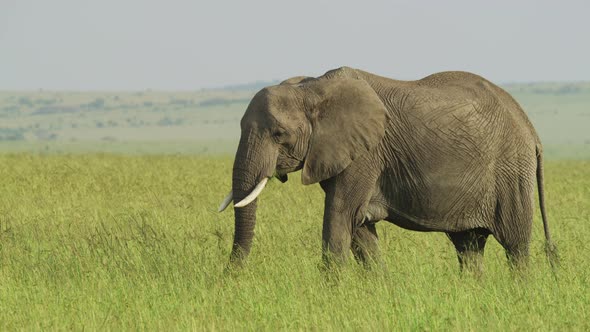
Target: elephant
x: 451, y: 152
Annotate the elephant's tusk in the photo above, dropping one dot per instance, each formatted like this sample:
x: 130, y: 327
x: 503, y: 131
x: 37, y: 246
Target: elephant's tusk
x: 257, y: 190
x: 226, y: 201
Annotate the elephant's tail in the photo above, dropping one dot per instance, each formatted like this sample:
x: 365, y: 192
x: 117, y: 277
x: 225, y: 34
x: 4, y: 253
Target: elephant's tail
x: 550, y: 248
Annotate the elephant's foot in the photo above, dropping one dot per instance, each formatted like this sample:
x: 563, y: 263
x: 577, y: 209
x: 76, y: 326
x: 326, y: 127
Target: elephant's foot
x: 365, y: 247
x: 470, y: 248
x: 471, y: 263
x: 518, y: 261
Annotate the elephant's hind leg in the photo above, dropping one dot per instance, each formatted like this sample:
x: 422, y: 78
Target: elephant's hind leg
x: 365, y: 245
x: 514, y: 218
x: 516, y: 243
x: 470, y: 247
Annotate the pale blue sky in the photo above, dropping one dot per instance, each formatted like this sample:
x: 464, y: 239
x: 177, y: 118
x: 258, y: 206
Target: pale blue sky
x: 172, y: 44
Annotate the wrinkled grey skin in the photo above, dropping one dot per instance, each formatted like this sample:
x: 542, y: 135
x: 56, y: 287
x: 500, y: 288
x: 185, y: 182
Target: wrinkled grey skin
x: 451, y: 153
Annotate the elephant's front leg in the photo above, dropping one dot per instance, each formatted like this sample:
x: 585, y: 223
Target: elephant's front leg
x: 347, y: 196
x: 342, y: 229
x: 336, y: 236
x: 365, y: 245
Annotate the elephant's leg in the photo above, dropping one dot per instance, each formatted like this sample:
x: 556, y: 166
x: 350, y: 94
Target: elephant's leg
x: 514, y: 218
x: 336, y: 237
x: 340, y: 220
x: 516, y: 244
x: 470, y: 247
x: 518, y: 255
x: 346, y: 194
x: 365, y: 245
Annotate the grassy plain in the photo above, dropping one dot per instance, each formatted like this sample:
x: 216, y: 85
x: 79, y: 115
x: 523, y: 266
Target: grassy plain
x: 108, y: 221
x: 115, y: 242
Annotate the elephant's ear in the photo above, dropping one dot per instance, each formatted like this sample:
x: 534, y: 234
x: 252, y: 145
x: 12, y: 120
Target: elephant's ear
x: 348, y: 119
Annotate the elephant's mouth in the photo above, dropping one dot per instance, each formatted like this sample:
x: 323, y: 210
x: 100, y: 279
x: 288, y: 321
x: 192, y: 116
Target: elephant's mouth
x: 281, y: 172
x: 282, y: 177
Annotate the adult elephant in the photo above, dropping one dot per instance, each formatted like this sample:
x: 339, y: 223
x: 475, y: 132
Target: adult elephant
x: 451, y: 152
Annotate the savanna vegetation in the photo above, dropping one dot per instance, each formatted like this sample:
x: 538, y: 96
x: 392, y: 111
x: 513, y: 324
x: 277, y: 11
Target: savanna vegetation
x: 135, y: 242
x: 108, y: 221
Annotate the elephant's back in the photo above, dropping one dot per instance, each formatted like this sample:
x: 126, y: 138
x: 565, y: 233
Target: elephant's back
x: 488, y: 99
x: 446, y: 78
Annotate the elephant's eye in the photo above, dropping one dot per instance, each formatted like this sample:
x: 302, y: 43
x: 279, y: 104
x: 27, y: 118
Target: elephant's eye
x: 278, y: 134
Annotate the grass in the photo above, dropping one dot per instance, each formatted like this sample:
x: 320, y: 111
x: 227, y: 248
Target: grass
x: 98, y: 241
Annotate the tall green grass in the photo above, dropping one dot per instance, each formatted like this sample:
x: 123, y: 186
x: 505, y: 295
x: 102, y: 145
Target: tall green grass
x: 135, y: 242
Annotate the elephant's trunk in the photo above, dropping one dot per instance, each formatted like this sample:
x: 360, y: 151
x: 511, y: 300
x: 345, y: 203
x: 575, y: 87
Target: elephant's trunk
x: 253, y: 164
x: 244, y: 232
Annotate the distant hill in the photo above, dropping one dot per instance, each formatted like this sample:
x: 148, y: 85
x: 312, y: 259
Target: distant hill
x: 253, y: 86
x: 208, y: 120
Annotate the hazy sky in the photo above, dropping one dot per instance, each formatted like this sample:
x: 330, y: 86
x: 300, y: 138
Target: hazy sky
x: 120, y: 44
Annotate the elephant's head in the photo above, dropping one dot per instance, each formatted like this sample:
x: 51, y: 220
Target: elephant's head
x: 317, y: 125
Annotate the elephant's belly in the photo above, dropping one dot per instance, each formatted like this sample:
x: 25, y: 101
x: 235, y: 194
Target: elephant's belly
x: 444, y: 203
x: 377, y: 211
x: 415, y: 225
x: 438, y: 220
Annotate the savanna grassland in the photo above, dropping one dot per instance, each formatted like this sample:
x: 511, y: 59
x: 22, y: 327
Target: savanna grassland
x: 111, y: 242
x: 108, y: 221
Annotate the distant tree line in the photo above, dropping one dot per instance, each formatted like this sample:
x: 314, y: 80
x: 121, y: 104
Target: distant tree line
x: 11, y: 134
x: 223, y: 101
x: 550, y: 89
